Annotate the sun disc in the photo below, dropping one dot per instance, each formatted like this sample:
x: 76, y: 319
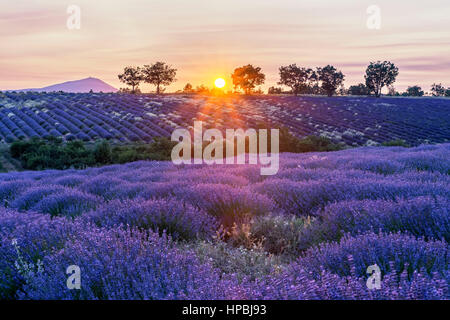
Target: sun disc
x: 219, y: 83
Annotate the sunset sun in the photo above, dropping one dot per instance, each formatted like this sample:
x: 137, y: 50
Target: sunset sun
x: 219, y: 83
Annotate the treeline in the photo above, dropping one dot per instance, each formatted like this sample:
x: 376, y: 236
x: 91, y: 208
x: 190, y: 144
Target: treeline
x: 53, y: 153
x: 437, y: 90
x: 158, y: 74
x: 298, y: 80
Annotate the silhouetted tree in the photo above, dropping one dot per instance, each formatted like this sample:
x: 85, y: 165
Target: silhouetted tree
x: 315, y: 84
x: 296, y: 78
x: 159, y: 74
x: 202, y: 89
x: 380, y: 74
x: 132, y: 77
x: 274, y: 90
x: 391, y: 91
x: 414, y: 91
x: 247, y: 78
x: 129, y: 91
x: 331, y: 79
x: 358, y: 90
x: 437, y: 90
x: 188, y: 88
x: 342, y: 91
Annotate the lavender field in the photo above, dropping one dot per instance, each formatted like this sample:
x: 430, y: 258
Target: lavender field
x: 153, y: 230
x: 354, y: 121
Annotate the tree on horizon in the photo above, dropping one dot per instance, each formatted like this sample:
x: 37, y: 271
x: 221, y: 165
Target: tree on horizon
x: 188, y: 88
x: 438, y: 90
x: 158, y: 74
x: 331, y: 79
x: 359, y: 90
x: 132, y: 77
x: 247, y: 78
x: 296, y: 78
x: 414, y: 91
x: 380, y: 74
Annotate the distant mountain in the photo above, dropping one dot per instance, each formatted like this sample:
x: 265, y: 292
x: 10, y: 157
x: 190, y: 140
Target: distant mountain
x: 83, y: 85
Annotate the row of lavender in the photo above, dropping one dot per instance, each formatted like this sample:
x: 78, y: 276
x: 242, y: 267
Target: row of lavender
x: 148, y: 230
x: 354, y: 121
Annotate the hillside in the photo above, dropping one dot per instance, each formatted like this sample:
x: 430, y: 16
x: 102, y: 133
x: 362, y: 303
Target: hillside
x: 355, y: 121
x: 76, y: 86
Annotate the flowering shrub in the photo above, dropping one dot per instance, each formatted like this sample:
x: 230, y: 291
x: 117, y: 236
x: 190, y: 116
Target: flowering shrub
x: 9, y: 190
x: 427, y: 217
x: 34, y: 195
x: 303, y: 198
x: 102, y: 186
x: 297, y: 284
x: 228, y: 204
x: 36, y: 235
x: 70, y: 180
x: 411, y: 269
x: 176, y: 218
x: 392, y: 253
x: 69, y: 203
x: 125, y: 264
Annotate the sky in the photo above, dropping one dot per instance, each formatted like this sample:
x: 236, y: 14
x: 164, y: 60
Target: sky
x: 207, y: 39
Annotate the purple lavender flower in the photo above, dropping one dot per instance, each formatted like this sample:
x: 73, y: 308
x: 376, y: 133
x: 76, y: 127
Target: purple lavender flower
x: 69, y: 203
x: 180, y: 220
x: 125, y: 264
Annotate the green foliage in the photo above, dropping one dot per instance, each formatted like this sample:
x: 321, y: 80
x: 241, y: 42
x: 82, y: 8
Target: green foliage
x: 414, y: 91
x: 279, y: 234
x: 396, y: 143
x: 158, y: 74
x: 40, y: 154
x: 359, y: 90
x: 102, y: 153
x: 274, y: 90
x: 296, y: 78
x: 160, y: 149
x: 290, y: 143
x: 188, y: 88
x: 132, y: 77
x: 52, y: 153
x: 380, y: 74
x: 244, y: 263
x: 331, y: 79
x: 438, y: 90
x: 247, y: 78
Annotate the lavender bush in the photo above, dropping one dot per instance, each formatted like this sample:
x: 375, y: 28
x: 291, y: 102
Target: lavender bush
x: 228, y: 204
x: 36, y: 235
x: 125, y: 264
x: 176, y: 218
x: 70, y: 203
x: 391, y: 252
x: 427, y: 217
